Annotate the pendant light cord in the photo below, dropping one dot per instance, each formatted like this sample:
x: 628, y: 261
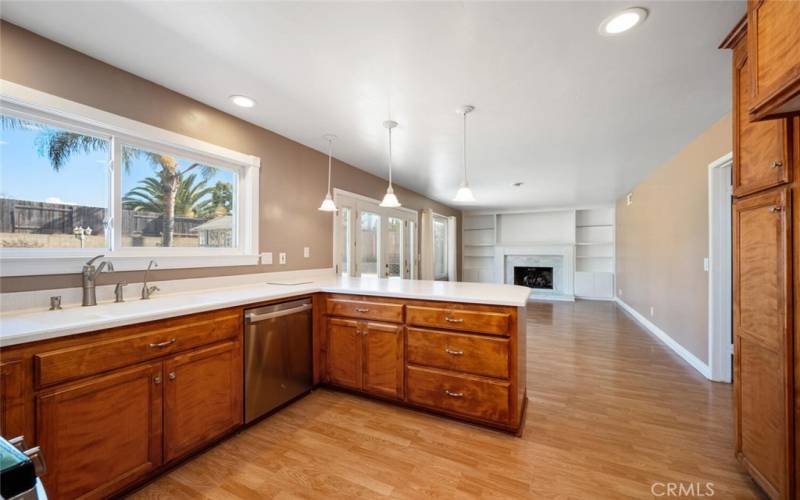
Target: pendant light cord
x: 390, y: 157
x: 465, y: 149
x: 330, y: 152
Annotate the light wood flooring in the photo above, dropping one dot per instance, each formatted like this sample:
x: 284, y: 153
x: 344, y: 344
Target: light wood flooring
x: 611, y: 411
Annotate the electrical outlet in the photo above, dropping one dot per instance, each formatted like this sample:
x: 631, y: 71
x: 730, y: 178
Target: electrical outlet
x: 619, y: 292
x: 705, y: 264
x: 266, y: 258
x: 282, y: 258
x: 652, y: 311
x: 306, y: 252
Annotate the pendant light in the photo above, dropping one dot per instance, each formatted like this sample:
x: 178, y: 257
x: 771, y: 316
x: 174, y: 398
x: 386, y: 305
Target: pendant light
x: 464, y: 193
x: 389, y: 199
x: 327, y: 204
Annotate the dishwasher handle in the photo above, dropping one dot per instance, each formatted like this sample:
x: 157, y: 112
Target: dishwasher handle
x: 255, y: 318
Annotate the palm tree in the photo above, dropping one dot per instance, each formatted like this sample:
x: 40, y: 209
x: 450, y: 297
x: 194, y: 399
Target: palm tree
x: 191, y: 198
x: 58, y: 145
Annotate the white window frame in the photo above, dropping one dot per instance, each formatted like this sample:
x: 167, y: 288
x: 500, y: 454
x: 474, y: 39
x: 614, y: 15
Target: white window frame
x: 358, y: 203
x: 28, y: 103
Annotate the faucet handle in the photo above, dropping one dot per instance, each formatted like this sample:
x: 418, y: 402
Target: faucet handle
x: 55, y: 303
x: 91, y: 261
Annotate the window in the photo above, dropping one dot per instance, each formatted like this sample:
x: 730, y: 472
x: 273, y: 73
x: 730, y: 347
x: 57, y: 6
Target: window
x: 369, y: 243
x: 76, y: 181
x: 54, y: 186
x: 171, y: 201
x: 440, y: 248
x: 345, y: 239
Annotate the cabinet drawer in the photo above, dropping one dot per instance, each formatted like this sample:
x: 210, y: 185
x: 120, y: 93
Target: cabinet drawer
x: 468, y: 395
x: 365, y: 309
x: 458, y: 351
x: 149, y: 341
x: 458, y: 319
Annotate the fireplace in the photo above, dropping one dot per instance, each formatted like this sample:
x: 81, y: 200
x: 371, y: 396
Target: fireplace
x: 538, y: 278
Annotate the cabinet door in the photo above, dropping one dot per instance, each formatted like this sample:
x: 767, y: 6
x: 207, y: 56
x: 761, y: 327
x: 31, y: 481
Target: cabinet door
x: 202, y: 397
x: 773, y: 38
x: 102, y: 434
x: 344, y: 353
x: 383, y: 359
x: 763, y: 340
x: 12, y: 400
x: 761, y: 156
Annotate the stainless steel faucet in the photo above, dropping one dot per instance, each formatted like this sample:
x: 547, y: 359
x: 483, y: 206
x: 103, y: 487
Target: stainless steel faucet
x: 89, y: 274
x: 119, y: 295
x: 149, y: 290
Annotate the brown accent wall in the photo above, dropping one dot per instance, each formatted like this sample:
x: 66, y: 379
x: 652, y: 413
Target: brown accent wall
x: 293, y: 176
x: 662, y: 239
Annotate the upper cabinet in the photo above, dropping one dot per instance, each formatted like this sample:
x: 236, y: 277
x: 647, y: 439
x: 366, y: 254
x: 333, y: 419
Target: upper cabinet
x: 773, y: 41
x: 761, y: 152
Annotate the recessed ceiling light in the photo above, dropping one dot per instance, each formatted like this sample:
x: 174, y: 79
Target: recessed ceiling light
x: 242, y: 100
x: 622, y: 21
x: 518, y: 184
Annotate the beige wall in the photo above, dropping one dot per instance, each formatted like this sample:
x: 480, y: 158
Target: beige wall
x: 293, y: 177
x: 662, y: 239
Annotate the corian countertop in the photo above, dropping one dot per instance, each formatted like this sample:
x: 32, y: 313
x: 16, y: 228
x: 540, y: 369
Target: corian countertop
x: 29, y: 326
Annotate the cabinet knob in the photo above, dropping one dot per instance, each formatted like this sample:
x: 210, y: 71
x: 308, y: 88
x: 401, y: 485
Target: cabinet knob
x: 157, y: 379
x: 776, y: 164
x: 775, y: 209
x: 172, y: 375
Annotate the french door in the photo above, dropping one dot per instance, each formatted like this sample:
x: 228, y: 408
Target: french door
x: 370, y: 240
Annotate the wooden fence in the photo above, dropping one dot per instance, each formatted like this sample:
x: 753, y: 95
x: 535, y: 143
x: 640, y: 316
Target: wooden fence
x: 22, y: 216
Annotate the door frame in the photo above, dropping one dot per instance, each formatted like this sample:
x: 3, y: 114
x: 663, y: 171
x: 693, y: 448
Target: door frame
x: 720, y: 269
x: 357, y: 203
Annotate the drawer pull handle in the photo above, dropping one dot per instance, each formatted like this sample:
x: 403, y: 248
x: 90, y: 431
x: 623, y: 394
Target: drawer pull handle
x: 453, y: 320
x: 452, y: 352
x: 776, y: 164
x: 454, y: 394
x: 163, y: 344
x: 775, y: 209
x: 362, y: 309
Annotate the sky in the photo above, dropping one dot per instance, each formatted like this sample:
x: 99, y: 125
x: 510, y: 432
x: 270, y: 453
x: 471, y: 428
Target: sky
x: 83, y: 180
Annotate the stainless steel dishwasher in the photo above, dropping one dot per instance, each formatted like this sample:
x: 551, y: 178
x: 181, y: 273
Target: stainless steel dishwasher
x: 277, y: 350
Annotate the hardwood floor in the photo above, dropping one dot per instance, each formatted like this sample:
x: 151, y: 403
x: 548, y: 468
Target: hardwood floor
x: 611, y: 412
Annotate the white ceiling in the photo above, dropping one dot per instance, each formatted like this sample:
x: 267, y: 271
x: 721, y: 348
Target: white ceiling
x: 577, y: 117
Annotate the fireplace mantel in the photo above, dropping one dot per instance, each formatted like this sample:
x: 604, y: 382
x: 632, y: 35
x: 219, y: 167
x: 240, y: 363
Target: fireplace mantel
x: 551, y: 254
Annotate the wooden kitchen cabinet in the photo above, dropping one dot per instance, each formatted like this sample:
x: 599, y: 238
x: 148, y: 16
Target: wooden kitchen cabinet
x: 383, y: 359
x: 763, y: 339
x: 773, y: 38
x: 366, y: 356
x: 344, y: 357
x: 762, y: 156
x: 202, y: 397
x: 12, y: 403
x: 99, y: 435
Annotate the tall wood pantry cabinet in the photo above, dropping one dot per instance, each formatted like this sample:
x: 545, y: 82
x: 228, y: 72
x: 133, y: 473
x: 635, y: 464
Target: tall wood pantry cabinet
x: 766, y: 242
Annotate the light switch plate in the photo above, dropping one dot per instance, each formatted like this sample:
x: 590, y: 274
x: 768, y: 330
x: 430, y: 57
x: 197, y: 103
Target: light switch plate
x: 705, y: 264
x: 306, y: 252
x: 266, y: 258
x: 282, y: 258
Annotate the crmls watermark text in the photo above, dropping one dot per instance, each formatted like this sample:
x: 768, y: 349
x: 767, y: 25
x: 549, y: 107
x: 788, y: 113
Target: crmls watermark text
x: 672, y: 489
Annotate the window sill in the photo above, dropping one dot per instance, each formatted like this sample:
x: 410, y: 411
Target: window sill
x: 73, y: 263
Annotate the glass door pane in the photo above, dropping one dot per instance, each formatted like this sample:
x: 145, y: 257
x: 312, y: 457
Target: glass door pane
x: 411, y: 251
x: 394, y: 248
x: 440, y: 248
x: 368, y: 245
x: 344, y: 235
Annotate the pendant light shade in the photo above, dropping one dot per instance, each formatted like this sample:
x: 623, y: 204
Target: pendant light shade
x: 389, y: 199
x: 327, y: 204
x: 464, y: 193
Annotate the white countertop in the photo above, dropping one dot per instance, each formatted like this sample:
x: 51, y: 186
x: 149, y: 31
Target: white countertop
x: 28, y: 326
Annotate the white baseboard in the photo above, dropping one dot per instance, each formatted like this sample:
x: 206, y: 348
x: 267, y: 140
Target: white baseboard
x: 661, y: 335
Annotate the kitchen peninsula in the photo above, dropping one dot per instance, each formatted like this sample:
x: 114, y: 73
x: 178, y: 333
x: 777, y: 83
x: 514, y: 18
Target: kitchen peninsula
x: 157, y: 380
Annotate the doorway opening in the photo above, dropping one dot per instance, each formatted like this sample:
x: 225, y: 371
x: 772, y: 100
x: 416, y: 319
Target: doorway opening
x: 720, y: 259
